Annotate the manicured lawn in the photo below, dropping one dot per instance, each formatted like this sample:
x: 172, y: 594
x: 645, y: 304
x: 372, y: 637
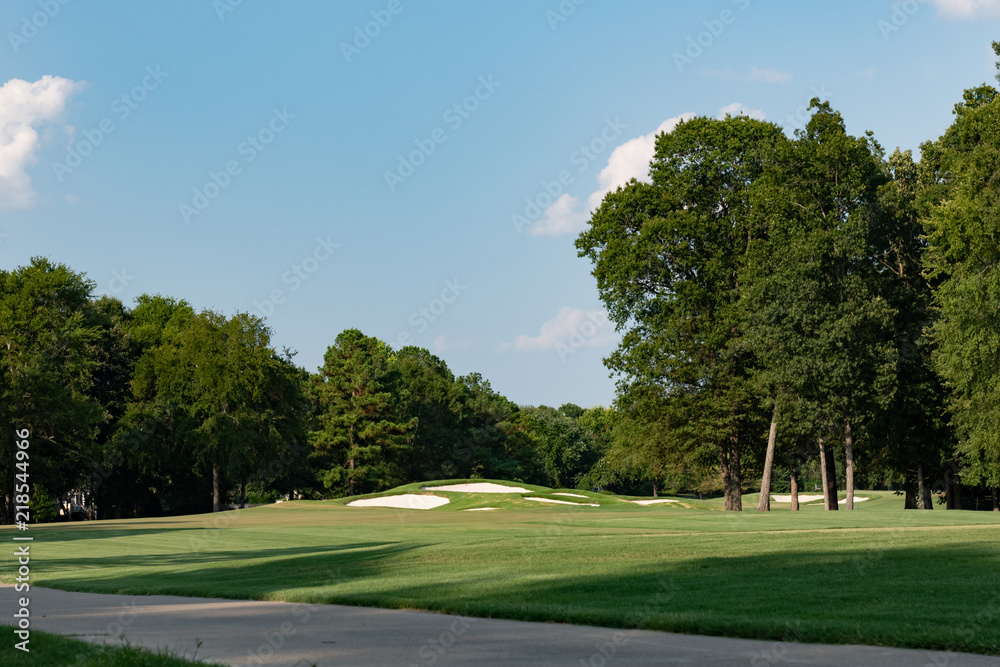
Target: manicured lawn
x: 49, y: 649
x: 877, y: 575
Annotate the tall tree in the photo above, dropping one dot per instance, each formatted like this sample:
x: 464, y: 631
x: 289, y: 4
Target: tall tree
x: 359, y: 436
x: 48, y: 358
x: 235, y: 403
x: 963, y: 227
x: 817, y: 320
x: 667, y: 257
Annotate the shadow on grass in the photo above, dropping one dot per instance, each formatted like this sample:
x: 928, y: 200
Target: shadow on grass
x: 945, y: 598
x: 243, y: 574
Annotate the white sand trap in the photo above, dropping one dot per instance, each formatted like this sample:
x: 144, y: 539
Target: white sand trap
x: 406, y: 501
x: 478, y: 487
x: 562, y: 502
x: 653, y: 502
x: 575, y: 495
x: 803, y: 498
x: 481, y: 509
x: 856, y: 499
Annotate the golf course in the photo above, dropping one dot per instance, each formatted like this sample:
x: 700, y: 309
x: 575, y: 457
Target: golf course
x: 877, y: 575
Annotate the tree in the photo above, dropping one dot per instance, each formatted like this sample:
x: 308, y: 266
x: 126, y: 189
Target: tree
x: 667, y: 258
x: 358, y: 435
x: 48, y: 359
x: 817, y: 321
x: 565, y: 448
x: 428, y: 393
x: 232, y: 402
x: 962, y: 226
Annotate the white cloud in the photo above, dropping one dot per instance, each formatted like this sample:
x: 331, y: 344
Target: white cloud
x: 24, y: 105
x: 572, y: 328
x: 631, y: 160
x: 627, y: 161
x: 969, y: 9
x: 738, y: 109
x: 567, y: 215
x: 564, y: 216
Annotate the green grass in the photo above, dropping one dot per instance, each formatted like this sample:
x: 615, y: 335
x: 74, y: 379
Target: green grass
x: 49, y: 649
x: 877, y: 575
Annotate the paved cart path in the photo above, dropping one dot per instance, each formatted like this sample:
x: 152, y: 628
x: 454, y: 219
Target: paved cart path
x: 241, y: 632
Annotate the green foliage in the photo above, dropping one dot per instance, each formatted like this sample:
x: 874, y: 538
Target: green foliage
x: 566, y: 449
x: 43, y: 506
x: 359, y: 436
x: 963, y: 230
x: 47, y: 359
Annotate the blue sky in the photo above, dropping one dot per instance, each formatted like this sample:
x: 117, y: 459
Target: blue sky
x: 416, y: 170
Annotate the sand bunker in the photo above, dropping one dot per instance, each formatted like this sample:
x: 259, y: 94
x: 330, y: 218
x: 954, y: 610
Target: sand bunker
x: 856, y: 499
x: 803, y: 498
x: 575, y: 495
x: 562, y: 502
x: 653, y: 502
x: 481, y: 509
x: 478, y: 487
x: 407, y: 501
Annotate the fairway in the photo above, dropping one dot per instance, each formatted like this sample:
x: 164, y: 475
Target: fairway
x: 877, y: 575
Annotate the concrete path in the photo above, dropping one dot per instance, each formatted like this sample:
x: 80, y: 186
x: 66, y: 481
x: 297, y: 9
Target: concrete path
x: 239, y: 632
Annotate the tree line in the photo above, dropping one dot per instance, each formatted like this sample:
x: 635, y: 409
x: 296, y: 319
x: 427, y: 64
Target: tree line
x: 799, y: 301
x: 157, y: 409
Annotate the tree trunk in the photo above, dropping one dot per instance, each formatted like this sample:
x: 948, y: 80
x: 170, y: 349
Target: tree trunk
x: 794, y: 479
x: 823, y: 474
x: 654, y: 488
x: 848, y: 464
x: 958, y: 493
x: 909, y: 500
x: 764, y: 502
x: 831, y: 479
x: 243, y: 494
x: 926, y: 502
x: 350, y: 482
x: 215, y: 487
x: 729, y: 466
x: 996, y: 500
